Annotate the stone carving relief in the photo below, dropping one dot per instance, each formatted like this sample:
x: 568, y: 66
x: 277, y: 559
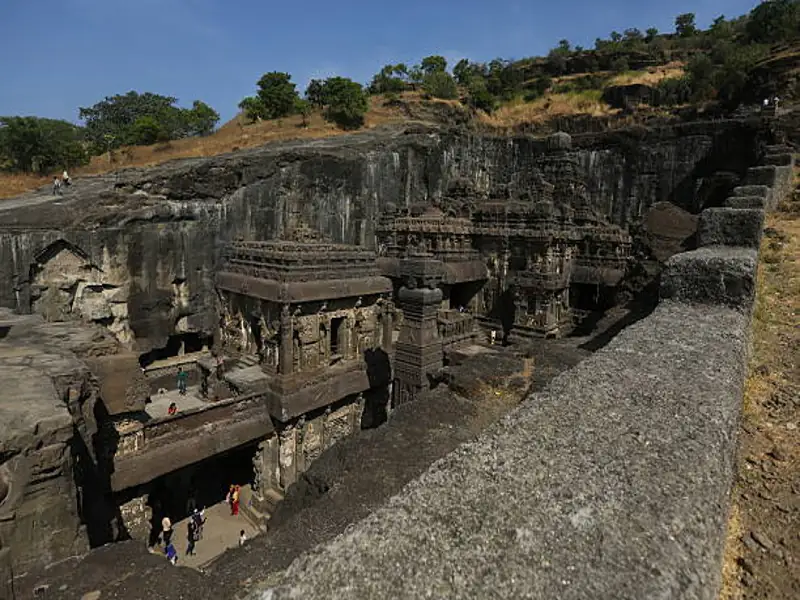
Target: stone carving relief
x: 65, y: 284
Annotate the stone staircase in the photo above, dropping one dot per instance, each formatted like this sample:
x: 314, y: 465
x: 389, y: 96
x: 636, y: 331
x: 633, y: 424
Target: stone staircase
x: 259, y: 512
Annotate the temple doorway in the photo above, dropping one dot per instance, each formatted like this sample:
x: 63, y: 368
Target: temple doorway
x: 200, y: 485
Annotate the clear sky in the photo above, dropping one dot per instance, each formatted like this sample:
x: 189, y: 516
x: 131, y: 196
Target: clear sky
x: 57, y: 55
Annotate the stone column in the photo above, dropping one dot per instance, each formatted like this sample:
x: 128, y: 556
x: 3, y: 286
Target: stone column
x: 388, y: 327
x: 286, y: 341
x: 419, y: 347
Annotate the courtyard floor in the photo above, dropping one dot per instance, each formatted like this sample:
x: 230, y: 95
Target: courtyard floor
x: 220, y: 533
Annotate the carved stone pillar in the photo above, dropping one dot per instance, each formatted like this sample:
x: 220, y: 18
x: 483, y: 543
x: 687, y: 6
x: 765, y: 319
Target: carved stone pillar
x: 388, y: 327
x: 419, y: 347
x: 286, y: 357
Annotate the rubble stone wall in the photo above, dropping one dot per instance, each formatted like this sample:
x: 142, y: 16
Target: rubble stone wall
x: 612, y: 482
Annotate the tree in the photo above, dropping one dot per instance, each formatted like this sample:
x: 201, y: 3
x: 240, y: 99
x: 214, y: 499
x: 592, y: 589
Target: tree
x: 564, y: 46
x: 700, y: 71
x: 147, y: 130
x: 462, y: 71
x: 616, y: 37
x: 773, y: 21
x: 277, y: 94
x: 252, y: 108
x: 478, y: 96
x: 346, y: 102
x: 432, y: 64
x: 650, y: 34
x: 619, y: 64
x: 303, y: 108
x: 440, y: 84
x: 390, y: 79
x: 119, y: 119
x: 200, y: 119
x: 32, y: 144
x: 685, y: 26
x: 315, y: 92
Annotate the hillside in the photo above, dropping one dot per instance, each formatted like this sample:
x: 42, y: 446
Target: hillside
x: 236, y: 134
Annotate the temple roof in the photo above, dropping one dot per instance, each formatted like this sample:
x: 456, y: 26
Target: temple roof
x: 300, y: 266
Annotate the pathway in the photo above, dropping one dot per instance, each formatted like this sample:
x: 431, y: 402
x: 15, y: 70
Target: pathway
x: 220, y: 533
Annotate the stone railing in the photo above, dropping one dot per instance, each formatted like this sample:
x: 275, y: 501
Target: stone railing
x: 613, y: 482
x: 456, y: 328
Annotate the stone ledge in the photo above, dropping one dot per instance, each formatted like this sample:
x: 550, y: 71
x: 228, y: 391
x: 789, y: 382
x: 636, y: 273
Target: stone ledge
x: 759, y: 202
x: 613, y: 483
x: 731, y: 227
x: 711, y: 275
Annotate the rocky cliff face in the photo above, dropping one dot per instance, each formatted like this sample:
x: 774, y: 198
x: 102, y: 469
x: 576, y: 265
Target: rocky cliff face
x: 137, y: 251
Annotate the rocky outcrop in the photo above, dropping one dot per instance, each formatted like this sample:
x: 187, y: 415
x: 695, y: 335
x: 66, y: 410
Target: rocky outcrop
x: 136, y: 251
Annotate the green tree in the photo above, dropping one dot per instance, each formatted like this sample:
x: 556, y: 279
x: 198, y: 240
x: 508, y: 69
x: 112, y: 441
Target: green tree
x: 32, y: 144
x: 303, y: 108
x: 112, y: 122
x: 346, y: 102
x: 700, y: 71
x: 252, y: 108
x: 432, y: 64
x: 773, y: 21
x: 685, y: 25
x: 440, y: 84
x: 564, y: 46
x: 147, y: 130
x: 650, y: 34
x: 277, y: 94
x: 478, y: 95
x: 315, y: 92
x: 200, y: 119
x: 390, y: 79
x: 462, y: 71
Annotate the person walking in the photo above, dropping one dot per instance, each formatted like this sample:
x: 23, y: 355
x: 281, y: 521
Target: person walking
x: 57, y: 187
x: 166, y: 530
x: 201, y: 521
x: 183, y: 377
x: 191, y: 537
x: 65, y: 177
x: 242, y: 538
x: 172, y: 554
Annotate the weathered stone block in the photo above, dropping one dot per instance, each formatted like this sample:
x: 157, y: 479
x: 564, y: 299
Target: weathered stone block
x: 759, y: 202
x: 711, y: 275
x: 764, y: 175
x: 731, y: 227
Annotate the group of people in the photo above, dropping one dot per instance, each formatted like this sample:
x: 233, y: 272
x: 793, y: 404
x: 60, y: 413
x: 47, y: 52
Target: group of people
x: 59, y: 184
x: 771, y: 102
x: 195, y: 534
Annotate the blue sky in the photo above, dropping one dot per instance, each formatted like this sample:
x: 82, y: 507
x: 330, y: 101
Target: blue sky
x: 57, y: 55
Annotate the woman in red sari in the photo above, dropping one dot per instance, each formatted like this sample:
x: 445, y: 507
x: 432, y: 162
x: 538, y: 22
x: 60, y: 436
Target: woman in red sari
x: 235, y: 501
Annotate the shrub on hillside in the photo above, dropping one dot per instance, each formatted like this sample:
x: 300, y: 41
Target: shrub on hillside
x: 440, y: 84
x: 346, y: 102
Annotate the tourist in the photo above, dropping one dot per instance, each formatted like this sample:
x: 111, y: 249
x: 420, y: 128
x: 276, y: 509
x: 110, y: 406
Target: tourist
x: 235, y: 501
x: 166, y: 530
x: 242, y: 538
x: 56, y: 186
x: 492, y: 337
x: 183, y: 376
x: 199, y: 521
x: 172, y: 554
x: 172, y: 410
x: 65, y: 177
x: 191, y: 537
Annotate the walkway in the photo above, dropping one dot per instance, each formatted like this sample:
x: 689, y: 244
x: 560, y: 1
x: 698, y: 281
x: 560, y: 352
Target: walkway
x: 221, y: 532
x: 159, y: 404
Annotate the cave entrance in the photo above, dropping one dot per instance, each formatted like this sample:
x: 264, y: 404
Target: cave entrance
x: 178, y: 344
x: 590, y: 302
x: 462, y: 295
x: 200, y: 485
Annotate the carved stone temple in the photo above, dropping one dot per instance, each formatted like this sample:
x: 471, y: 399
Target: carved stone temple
x: 291, y: 341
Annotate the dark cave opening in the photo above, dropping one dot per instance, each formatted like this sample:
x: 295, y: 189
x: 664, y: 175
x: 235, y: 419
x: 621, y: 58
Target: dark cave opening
x: 199, y: 485
x: 177, y: 343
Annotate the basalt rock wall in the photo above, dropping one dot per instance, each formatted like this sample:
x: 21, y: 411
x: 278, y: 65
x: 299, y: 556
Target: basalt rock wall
x: 613, y: 482
x: 140, y: 248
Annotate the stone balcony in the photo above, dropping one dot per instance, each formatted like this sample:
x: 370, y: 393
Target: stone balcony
x: 139, y: 448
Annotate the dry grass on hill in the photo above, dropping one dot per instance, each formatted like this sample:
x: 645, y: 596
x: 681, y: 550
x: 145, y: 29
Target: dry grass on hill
x: 236, y: 135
